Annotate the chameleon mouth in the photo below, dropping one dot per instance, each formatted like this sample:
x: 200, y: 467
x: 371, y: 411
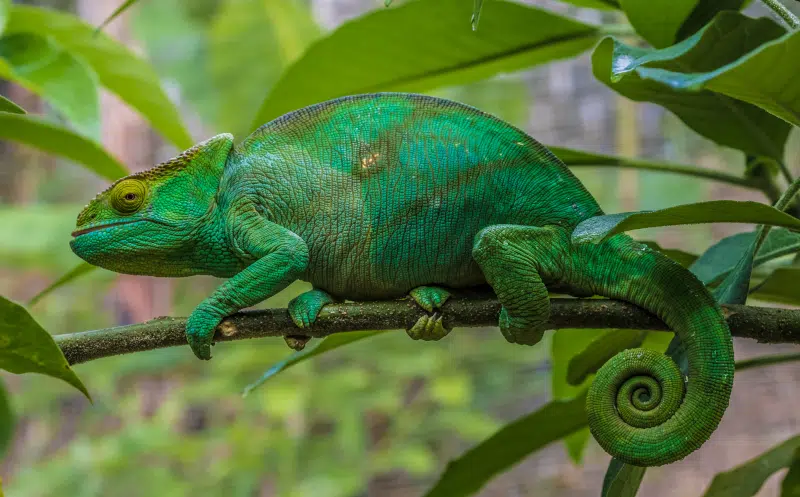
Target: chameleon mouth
x: 98, y: 227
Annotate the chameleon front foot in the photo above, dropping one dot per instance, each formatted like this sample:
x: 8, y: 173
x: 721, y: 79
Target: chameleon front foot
x: 305, y: 308
x: 200, y: 332
x: 519, y: 330
x: 429, y: 327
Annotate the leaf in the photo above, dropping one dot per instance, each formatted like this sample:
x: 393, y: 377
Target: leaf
x: 729, y: 56
x: 566, y: 344
x: 747, y: 479
x: 599, y: 228
x: 4, y: 6
x: 622, y: 480
x: 25, y: 347
x: 118, y: 69
x: 442, y: 51
x: 574, y: 158
x: 704, y: 12
x: 722, y: 257
x: 7, y: 105
x: 720, y: 118
x: 66, y: 82
x: 595, y: 4
x: 60, y: 141
x: 470, y: 472
x: 589, y: 360
x: 263, y: 36
x: 781, y: 286
x: 329, y: 343
x: 658, y: 21
x: 117, y: 12
x: 76, y: 272
x: 7, y: 422
x: 790, y: 486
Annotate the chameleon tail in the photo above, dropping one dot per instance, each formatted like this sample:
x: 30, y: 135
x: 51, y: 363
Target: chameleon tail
x: 640, y: 411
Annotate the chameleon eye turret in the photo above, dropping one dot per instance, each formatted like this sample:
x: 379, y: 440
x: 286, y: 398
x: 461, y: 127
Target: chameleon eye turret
x: 128, y: 196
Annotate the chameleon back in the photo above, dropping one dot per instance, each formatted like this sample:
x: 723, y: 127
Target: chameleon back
x: 415, y: 177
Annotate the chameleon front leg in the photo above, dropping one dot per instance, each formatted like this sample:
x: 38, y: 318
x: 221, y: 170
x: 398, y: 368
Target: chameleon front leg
x: 513, y: 260
x: 280, y: 258
x: 429, y: 327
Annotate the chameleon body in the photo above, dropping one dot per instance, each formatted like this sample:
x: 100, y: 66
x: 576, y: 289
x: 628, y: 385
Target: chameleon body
x: 378, y: 196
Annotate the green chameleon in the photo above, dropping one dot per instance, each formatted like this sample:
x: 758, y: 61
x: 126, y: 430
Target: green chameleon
x: 384, y: 195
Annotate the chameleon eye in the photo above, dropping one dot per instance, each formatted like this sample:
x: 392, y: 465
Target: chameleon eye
x: 128, y: 196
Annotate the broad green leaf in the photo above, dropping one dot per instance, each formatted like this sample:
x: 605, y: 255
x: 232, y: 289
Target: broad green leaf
x: 782, y: 286
x: 60, y: 141
x: 327, y: 344
x: 599, y: 228
x: 25, y: 347
x: 658, y: 21
x: 790, y: 486
x: 422, y: 45
x: 575, y: 158
x: 7, y: 105
x: 622, y: 480
x: 729, y: 56
x: 515, y: 441
x: 720, y: 118
x: 7, y: 422
x: 76, y: 272
x: 264, y: 37
x: 747, y: 479
x: 704, y: 12
x: 567, y: 344
x: 117, y: 12
x: 722, y: 257
x: 118, y: 69
x: 65, y: 81
x: 599, y: 350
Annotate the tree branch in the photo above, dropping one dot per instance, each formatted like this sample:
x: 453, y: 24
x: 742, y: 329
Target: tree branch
x: 764, y: 324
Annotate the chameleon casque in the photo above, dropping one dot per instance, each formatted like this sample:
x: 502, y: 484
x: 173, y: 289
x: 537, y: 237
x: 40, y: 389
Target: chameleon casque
x: 379, y: 196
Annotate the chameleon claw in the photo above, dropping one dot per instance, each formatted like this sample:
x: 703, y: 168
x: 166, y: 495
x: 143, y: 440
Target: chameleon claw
x: 428, y: 328
x: 296, y: 342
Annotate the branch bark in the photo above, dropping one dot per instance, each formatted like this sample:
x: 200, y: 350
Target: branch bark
x: 765, y: 324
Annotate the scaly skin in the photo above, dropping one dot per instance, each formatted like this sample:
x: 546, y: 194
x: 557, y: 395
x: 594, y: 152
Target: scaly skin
x: 375, y: 196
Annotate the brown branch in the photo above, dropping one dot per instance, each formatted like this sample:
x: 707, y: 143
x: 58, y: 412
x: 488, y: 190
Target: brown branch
x: 764, y: 324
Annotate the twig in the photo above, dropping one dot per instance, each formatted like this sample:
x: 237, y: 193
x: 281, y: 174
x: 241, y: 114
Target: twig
x: 764, y: 324
x: 783, y: 12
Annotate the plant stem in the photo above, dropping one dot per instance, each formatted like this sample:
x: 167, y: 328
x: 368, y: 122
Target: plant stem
x: 757, y: 362
x: 765, y: 324
x: 783, y: 12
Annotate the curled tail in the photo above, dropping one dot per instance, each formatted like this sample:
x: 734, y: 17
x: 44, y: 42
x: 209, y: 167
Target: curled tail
x: 641, y: 410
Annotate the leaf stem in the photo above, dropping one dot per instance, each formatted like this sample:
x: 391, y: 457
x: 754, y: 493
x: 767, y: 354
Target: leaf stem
x: 766, y: 361
x: 783, y: 12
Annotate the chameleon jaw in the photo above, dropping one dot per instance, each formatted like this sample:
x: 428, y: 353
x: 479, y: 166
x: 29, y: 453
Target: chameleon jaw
x: 97, y: 227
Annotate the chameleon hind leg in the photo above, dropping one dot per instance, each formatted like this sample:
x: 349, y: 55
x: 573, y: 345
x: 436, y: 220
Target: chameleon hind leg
x: 429, y: 327
x: 514, y: 260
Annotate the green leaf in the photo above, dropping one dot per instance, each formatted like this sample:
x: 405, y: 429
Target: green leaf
x: 720, y: 118
x: 7, y: 422
x: 599, y: 228
x: 567, y: 344
x: 747, y: 479
x: 117, y: 12
x: 515, y: 441
x: 622, y: 480
x: 119, y: 70
x: 790, y: 487
x: 4, y: 6
x: 723, y: 256
x: 327, y: 344
x: 76, y: 272
x: 781, y: 286
x: 7, y: 105
x: 730, y: 56
x: 704, y: 12
x: 575, y: 158
x: 265, y: 37
x: 602, y: 348
x: 25, y: 347
x: 441, y: 51
x: 65, y: 81
x: 60, y: 141
x: 658, y: 21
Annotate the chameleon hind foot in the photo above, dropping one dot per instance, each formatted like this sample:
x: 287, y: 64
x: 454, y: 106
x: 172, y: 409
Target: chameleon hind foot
x: 429, y: 327
x: 513, y: 259
x: 305, y: 308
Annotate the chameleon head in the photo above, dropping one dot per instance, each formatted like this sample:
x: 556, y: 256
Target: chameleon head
x: 149, y: 222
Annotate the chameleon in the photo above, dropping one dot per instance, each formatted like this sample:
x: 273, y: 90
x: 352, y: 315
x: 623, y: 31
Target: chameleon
x: 396, y: 195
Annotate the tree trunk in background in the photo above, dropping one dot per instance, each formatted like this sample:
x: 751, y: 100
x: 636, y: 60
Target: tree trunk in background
x: 128, y: 137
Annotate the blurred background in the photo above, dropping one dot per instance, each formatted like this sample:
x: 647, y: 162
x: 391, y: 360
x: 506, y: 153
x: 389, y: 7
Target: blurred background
x: 381, y: 417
